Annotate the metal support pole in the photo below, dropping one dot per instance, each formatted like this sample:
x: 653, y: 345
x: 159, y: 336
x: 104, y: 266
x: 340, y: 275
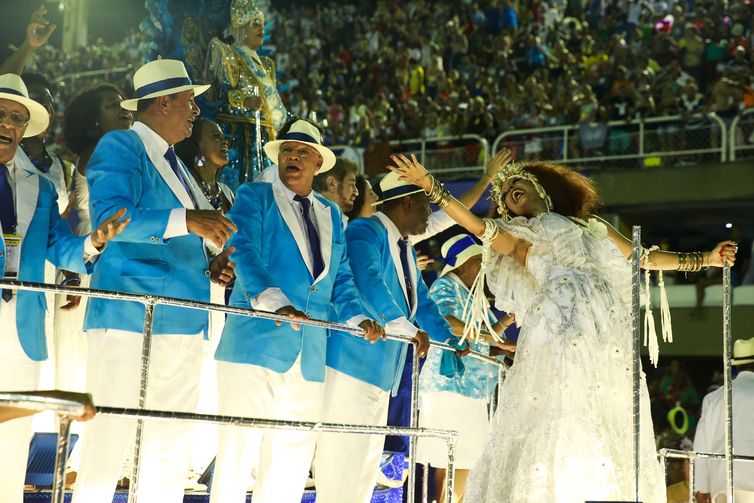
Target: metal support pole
x: 61, y: 455
x: 146, y: 350
x: 636, y: 346
x: 728, y: 381
x: 450, y: 480
x: 425, y: 483
x: 691, y: 462
x: 257, y: 138
x: 414, y: 424
x: 500, y: 379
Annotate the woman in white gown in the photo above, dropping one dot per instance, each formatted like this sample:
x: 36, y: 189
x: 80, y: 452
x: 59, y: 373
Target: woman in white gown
x: 563, y: 431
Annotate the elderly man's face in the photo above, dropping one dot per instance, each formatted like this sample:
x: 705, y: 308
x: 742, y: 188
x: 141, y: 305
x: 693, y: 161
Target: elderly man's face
x: 13, y: 121
x: 297, y: 164
x: 180, y: 110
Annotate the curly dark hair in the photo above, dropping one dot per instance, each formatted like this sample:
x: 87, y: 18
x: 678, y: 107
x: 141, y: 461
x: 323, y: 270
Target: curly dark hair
x: 572, y: 194
x: 188, y: 149
x: 82, y: 114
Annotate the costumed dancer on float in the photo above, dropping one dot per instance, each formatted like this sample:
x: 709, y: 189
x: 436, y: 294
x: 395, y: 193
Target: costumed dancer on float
x: 251, y: 111
x: 568, y: 281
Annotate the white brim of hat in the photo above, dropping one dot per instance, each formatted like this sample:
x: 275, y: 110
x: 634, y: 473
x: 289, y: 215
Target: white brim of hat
x: 461, y: 258
x: 742, y: 361
x: 133, y: 104
x: 39, y: 117
x: 399, y: 196
x: 272, y: 149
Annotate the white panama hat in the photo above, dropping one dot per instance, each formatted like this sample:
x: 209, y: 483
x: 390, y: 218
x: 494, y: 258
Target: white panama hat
x: 304, y: 132
x: 457, y: 250
x: 161, y: 77
x: 392, y: 187
x: 743, y: 351
x: 13, y: 88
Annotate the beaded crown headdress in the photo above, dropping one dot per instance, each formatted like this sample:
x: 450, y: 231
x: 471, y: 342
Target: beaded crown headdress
x: 512, y: 172
x: 243, y: 12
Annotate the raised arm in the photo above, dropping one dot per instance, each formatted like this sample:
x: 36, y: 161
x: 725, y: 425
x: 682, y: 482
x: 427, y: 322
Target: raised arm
x: 38, y: 31
x: 659, y: 260
x: 501, y: 241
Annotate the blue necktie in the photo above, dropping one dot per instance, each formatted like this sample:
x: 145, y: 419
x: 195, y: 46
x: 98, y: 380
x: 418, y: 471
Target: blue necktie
x: 403, y: 245
x: 311, y: 233
x: 7, y: 213
x: 173, y: 160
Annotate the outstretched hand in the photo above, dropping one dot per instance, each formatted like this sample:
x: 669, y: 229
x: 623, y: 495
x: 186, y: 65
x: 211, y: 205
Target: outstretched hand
x: 39, y: 29
x: 498, y: 162
x: 110, y: 228
x: 211, y: 225
x: 411, y: 171
x: 725, y: 251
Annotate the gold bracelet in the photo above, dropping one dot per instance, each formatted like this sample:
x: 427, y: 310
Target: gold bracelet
x: 438, y: 194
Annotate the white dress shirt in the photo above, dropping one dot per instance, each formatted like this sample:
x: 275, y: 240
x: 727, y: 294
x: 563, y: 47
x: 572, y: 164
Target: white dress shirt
x: 90, y: 252
x: 710, y: 437
x: 273, y: 299
x: 177, y: 219
x: 401, y: 325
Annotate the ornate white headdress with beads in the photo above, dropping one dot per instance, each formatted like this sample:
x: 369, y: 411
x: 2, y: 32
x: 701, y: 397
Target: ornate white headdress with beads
x: 512, y: 172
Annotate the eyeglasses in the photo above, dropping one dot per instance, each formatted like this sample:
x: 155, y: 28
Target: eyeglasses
x: 16, y: 118
x: 303, y: 153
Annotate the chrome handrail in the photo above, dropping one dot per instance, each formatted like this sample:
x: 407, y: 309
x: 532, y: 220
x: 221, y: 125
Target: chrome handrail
x: 150, y: 301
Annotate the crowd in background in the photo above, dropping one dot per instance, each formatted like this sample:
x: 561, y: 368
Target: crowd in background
x: 396, y: 70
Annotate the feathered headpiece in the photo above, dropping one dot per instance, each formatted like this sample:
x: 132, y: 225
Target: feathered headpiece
x: 512, y: 172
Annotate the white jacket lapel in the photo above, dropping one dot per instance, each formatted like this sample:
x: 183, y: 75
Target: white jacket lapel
x: 166, y: 172
x: 324, y: 224
x: 286, y: 210
x: 27, y: 193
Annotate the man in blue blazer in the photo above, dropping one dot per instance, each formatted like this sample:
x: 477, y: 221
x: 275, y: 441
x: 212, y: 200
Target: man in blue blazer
x: 359, y: 376
x: 32, y: 233
x: 290, y: 259
x: 163, y: 252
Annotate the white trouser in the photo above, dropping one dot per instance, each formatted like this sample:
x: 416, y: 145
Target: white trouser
x: 17, y: 373
x: 346, y: 464
x: 282, y: 458
x: 113, y: 378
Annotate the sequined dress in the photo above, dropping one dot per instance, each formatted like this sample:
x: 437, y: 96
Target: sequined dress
x: 563, y: 431
x: 235, y: 70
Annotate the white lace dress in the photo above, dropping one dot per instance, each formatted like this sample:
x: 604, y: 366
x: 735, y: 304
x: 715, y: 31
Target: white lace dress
x: 563, y: 431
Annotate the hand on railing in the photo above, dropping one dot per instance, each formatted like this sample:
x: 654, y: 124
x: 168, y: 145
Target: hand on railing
x: 422, y: 343
x: 723, y: 252
x: 373, y: 331
x: 292, y: 313
x: 222, y: 268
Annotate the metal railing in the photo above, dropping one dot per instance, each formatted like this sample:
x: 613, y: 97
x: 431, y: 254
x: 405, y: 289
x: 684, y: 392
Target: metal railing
x: 741, y: 133
x: 649, y: 141
x: 448, y: 154
x: 141, y: 413
x: 691, y: 456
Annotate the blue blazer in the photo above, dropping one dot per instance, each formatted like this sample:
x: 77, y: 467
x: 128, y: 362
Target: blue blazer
x: 271, y: 252
x: 45, y: 237
x: 382, y: 292
x: 124, y: 172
